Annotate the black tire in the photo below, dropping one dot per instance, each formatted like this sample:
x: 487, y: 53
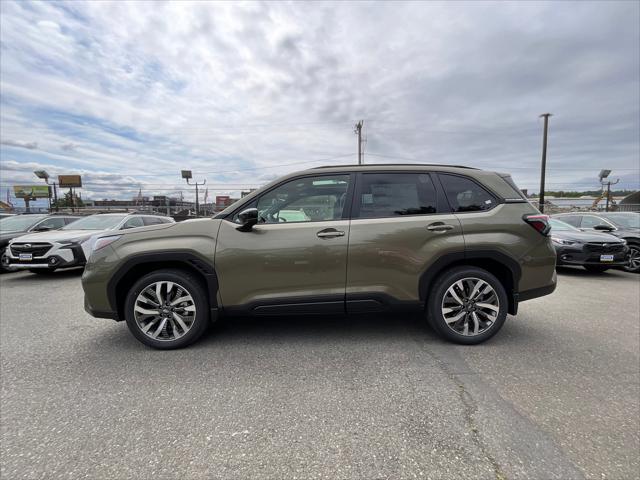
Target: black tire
x: 435, y: 315
x: 596, y: 268
x: 634, y: 249
x: 193, y: 287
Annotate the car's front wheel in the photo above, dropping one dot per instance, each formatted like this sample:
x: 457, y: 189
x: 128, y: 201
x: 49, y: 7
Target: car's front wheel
x: 167, y: 309
x: 467, y: 305
x: 633, y: 259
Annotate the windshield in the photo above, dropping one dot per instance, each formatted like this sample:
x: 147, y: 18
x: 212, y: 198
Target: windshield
x: 95, y: 222
x: 625, y: 220
x: 557, y: 225
x: 19, y: 223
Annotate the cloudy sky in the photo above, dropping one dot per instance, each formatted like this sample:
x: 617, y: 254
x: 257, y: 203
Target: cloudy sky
x: 128, y: 94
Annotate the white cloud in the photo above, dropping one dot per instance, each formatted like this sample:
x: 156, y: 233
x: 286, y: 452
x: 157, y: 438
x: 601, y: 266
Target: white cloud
x: 141, y: 90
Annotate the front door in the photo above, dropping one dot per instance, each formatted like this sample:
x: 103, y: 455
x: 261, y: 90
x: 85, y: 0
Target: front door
x: 294, y: 260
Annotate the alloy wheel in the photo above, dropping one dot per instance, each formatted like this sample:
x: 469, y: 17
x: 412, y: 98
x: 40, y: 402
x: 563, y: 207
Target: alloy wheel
x: 470, y: 306
x: 634, y: 259
x: 164, y: 311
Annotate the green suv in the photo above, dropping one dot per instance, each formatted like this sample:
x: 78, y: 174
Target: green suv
x: 461, y: 245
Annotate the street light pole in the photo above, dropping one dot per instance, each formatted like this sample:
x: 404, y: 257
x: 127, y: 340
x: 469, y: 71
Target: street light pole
x: 186, y: 174
x: 543, y: 169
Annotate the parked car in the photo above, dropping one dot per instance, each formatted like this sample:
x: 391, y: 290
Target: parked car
x: 71, y: 245
x: 595, y: 251
x: 624, y: 225
x: 18, y: 225
x: 462, y: 245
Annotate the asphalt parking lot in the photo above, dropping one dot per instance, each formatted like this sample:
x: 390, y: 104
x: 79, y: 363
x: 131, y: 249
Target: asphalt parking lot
x: 554, y: 395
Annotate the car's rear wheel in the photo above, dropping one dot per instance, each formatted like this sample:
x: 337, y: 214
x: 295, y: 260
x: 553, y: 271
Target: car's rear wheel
x: 167, y: 309
x: 633, y: 260
x: 467, y: 305
x: 596, y: 268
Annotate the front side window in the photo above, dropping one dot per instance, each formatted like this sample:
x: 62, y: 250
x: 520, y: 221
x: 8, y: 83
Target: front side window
x: 133, y: 222
x: 589, y: 221
x: 572, y: 220
x: 95, y: 222
x: 52, y: 223
x: 152, y: 220
x: 396, y: 194
x: 465, y: 195
x: 308, y: 199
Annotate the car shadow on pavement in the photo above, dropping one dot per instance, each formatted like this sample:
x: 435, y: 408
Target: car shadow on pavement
x: 30, y: 276
x: 581, y: 272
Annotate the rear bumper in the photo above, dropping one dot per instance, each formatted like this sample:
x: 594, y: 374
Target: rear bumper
x: 538, y: 291
x: 99, y: 313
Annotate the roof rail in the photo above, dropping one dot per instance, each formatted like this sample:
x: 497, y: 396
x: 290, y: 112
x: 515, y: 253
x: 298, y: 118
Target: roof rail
x: 396, y: 165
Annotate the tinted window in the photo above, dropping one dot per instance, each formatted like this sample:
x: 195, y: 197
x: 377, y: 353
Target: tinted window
x: 152, y: 220
x: 133, y: 222
x: 570, y: 219
x: 52, y: 223
x: 465, y: 195
x: 69, y: 220
x: 309, y: 199
x: 394, y: 194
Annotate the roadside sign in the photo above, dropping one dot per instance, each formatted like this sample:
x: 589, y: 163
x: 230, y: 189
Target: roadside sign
x: 69, y: 181
x: 31, y: 191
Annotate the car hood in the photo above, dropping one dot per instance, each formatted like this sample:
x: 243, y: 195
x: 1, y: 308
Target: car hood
x: 585, y: 236
x: 6, y: 236
x: 60, y: 235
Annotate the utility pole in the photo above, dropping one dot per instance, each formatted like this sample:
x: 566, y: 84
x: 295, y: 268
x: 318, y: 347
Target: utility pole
x: 358, y: 131
x: 544, y: 160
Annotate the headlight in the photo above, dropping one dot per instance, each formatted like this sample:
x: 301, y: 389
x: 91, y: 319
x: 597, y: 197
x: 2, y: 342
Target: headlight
x: 68, y: 243
x: 562, y: 241
x: 104, y: 241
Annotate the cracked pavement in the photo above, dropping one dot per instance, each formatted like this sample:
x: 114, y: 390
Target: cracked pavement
x: 553, y: 395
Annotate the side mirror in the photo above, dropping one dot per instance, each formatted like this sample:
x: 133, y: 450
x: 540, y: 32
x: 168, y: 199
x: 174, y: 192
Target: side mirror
x: 603, y: 228
x: 248, y: 218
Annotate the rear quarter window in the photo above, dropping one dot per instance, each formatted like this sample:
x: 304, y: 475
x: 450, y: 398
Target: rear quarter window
x: 465, y: 195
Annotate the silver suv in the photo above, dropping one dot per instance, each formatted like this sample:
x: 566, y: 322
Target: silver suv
x: 71, y: 245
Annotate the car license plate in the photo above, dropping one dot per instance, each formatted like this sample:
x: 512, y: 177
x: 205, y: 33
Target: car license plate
x: 26, y: 256
x: 606, y: 258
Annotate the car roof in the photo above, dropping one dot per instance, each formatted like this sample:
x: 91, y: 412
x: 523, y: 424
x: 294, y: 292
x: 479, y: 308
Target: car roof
x: 394, y: 166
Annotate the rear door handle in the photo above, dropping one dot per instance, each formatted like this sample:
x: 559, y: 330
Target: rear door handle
x: 439, y: 227
x: 329, y: 233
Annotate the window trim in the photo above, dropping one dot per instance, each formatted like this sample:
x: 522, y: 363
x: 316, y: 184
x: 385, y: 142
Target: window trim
x: 498, y: 199
x: 355, y: 207
x: 346, y: 212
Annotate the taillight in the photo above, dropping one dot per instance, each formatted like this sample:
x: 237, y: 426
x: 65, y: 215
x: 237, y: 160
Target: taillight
x: 540, y: 222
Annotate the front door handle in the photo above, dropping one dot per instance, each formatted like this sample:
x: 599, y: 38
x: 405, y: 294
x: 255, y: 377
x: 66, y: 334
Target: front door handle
x: 329, y: 233
x: 439, y: 227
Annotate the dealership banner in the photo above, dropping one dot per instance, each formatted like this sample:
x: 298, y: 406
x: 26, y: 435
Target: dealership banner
x: 31, y: 191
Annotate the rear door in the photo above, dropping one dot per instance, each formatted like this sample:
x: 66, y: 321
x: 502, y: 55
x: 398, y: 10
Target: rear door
x: 400, y: 226
x: 294, y: 260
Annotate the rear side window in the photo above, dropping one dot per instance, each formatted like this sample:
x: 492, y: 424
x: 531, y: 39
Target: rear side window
x: 68, y: 220
x: 465, y: 195
x: 396, y: 194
